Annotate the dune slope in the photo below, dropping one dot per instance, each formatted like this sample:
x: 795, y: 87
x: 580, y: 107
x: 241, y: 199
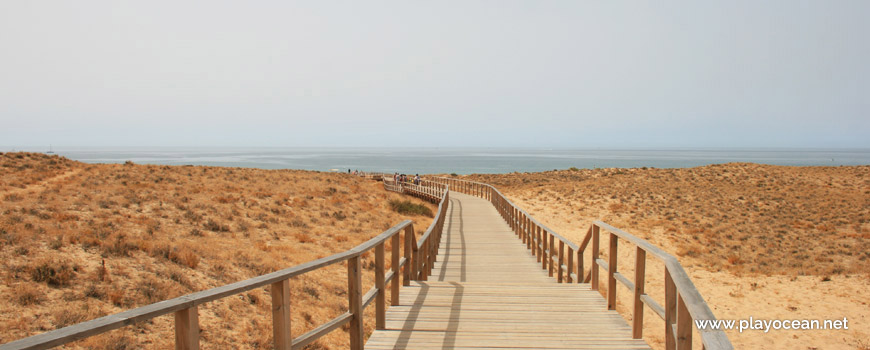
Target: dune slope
x: 78, y: 241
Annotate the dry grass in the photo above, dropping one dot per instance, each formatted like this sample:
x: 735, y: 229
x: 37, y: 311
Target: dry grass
x: 79, y: 241
x: 744, y: 218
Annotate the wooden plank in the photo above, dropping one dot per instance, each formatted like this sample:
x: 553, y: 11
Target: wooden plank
x: 653, y: 305
x: 314, y: 334
x: 468, y: 303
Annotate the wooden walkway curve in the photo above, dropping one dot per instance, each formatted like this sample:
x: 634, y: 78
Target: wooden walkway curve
x: 467, y: 302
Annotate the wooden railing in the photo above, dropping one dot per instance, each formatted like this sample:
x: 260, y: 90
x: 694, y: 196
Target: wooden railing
x: 417, y: 262
x: 683, y: 303
x: 425, y: 251
x: 374, y: 175
x: 427, y: 190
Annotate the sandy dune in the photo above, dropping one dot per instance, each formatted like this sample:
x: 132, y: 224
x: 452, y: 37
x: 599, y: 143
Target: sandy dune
x: 168, y: 231
x: 759, y: 241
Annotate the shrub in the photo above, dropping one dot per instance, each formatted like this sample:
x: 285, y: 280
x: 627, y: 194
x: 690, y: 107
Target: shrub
x: 69, y: 316
x: 152, y: 290
x: 53, y: 272
x: 215, y: 226
x: 184, y: 256
x: 27, y: 294
x: 407, y: 207
x: 118, y: 245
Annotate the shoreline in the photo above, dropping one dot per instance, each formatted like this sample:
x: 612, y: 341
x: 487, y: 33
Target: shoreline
x: 466, y: 161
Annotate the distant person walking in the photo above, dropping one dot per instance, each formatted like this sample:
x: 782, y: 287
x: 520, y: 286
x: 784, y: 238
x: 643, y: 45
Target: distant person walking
x: 417, y: 179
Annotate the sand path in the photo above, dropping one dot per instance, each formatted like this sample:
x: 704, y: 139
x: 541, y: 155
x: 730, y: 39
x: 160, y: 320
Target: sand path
x: 41, y: 185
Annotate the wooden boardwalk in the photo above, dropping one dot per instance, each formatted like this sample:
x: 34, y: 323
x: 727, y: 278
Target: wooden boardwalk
x: 488, y: 292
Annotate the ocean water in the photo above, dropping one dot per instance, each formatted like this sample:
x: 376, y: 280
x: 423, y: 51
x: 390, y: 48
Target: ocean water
x: 461, y: 160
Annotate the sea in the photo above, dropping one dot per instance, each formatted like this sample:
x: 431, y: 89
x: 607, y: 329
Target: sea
x: 459, y: 160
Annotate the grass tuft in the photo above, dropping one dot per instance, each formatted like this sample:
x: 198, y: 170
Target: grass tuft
x: 53, y: 272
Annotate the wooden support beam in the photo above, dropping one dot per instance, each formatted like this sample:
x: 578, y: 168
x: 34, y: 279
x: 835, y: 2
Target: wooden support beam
x: 595, y: 233
x: 394, y: 266
x: 381, y: 299
x: 684, y: 325
x: 550, y: 252
x: 670, y: 311
x: 409, y: 261
x: 187, y: 329
x: 354, y: 296
x: 611, y: 280
x: 639, y: 280
x: 561, y: 261
x: 281, y: 335
x: 571, y: 266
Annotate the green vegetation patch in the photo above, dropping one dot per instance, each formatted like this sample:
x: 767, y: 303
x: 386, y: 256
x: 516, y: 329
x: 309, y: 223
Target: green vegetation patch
x: 407, y: 207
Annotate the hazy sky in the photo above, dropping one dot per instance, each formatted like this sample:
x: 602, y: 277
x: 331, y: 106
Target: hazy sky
x: 605, y: 74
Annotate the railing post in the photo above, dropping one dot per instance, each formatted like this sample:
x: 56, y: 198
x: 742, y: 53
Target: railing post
x: 521, y: 233
x: 424, y: 259
x: 611, y: 270
x: 418, y: 263
x: 670, y: 311
x: 523, y: 224
x: 187, y: 329
x: 410, y: 261
x: 518, y: 217
x: 684, y: 325
x: 397, y: 275
x: 514, y: 223
x: 561, y: 260
x: 550, y: 253
x: 281, y: 315
x: 354, y: 295
x: 433, y: 253
x: 543, y: 251
x: 381, y: 297
x: 639, y: 280
x: 595, y: 233
x: 571, y: 266
x: 526, y: 232
x: 530, y: 242
x: 581, y: 277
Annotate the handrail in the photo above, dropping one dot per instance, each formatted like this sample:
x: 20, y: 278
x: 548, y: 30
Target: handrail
x: 185, y: 307
x: 683, y: 302
x: 431, y: 239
